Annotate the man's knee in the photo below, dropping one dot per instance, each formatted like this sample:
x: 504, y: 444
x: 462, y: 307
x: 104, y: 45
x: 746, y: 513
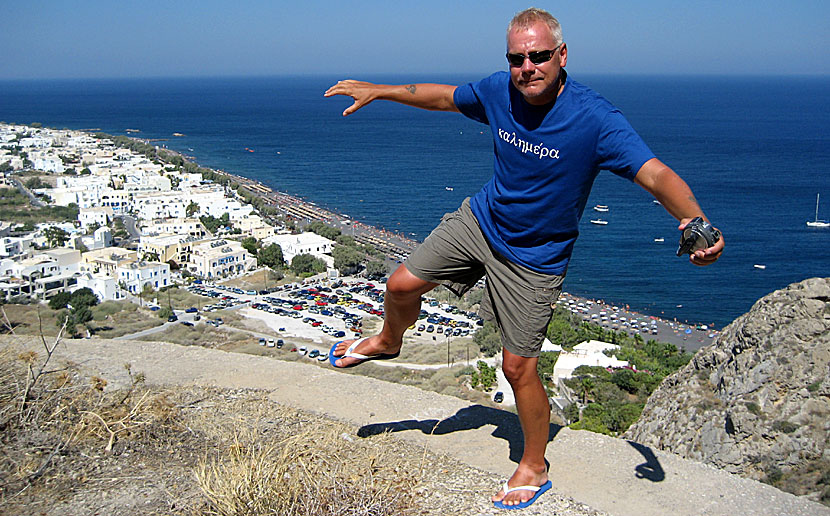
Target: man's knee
x: 518, y: 368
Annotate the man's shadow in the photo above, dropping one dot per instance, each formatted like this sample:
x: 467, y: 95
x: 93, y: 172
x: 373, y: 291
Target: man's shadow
x: 651, y: 468
x: 507, y: 427
x: 469, y: 418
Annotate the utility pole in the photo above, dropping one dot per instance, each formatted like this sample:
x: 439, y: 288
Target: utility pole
x: 448, y: 351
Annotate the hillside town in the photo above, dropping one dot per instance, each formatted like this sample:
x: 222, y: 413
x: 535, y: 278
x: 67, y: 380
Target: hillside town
x: 161, y: 205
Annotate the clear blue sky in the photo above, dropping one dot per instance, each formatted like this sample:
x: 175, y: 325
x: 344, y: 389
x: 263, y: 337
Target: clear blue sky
x: 152, y: 38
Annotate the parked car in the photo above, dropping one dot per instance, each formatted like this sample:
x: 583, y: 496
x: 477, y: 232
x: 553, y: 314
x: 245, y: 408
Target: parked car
x: 261, y: 341
x: 314, y: 353
x: 172, y: 318
x: 155, y: 308
x: 191, y: 310
x: 303, y: 350
x: 499, y: 397
x: 187, y: 323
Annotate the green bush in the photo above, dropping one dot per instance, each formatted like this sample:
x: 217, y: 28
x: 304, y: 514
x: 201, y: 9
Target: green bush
x: 786, y: 427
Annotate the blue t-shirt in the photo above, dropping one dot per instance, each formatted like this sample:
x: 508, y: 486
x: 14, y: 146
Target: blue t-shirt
x: 545, y: 162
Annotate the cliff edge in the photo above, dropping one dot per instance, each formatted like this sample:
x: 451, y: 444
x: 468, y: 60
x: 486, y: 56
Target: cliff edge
x: 757, y: 402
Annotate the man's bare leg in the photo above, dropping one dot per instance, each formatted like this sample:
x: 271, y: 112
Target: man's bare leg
x: 534, y: 416
x: 401, y: 306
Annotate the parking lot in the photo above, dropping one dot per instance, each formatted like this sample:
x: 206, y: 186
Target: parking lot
x: 324, y: 313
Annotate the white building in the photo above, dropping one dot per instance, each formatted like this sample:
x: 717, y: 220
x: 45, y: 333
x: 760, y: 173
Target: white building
x: 42, y: 275
x: 588, y: 353
x: 100, y: 216
x: 13, y: 246
x: 179, y: 226
x: 303, y: 243
x: 159, y: 206
x: 104, y: 286
x: 135, y: 276
x: 219, y: 258
x: 100, y: 239
x: 49, y: 163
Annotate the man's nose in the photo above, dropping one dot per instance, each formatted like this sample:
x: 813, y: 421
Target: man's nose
x: 527, y: 66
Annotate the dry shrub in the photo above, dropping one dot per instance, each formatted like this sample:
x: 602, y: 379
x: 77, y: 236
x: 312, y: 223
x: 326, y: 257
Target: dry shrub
x: 50, y: 412
x: 313, y: 472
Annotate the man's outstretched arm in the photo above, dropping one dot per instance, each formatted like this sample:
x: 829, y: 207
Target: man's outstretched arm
x: 434, y: 97
x: 677, y: 198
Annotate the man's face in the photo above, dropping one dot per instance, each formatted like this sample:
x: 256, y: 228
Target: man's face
x: 537, y: 83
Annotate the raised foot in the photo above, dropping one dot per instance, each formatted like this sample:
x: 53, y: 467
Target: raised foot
x: 351, y: 353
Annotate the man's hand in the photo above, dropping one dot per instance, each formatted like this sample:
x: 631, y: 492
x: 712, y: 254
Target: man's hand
x: 703, y: 257
x: 362, y: 92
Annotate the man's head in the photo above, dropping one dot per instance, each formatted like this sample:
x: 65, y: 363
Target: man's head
x: 534, y: 37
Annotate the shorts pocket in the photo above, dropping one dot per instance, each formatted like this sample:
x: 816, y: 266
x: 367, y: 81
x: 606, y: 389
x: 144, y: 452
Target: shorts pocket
x: 547, y: 295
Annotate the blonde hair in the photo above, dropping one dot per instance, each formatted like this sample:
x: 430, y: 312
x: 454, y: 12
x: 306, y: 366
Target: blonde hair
x: 524, y: 19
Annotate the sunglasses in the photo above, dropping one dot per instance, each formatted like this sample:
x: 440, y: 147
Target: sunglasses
x: 537, y: 58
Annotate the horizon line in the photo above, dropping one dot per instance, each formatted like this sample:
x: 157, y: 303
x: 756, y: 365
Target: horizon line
x: 401, y: 74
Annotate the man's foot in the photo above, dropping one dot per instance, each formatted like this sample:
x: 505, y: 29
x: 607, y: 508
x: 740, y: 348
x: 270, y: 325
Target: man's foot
x: 368, y: 348
x: 522, y: 477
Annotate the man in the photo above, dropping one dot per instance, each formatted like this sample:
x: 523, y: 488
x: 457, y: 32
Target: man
x: 552, y: 135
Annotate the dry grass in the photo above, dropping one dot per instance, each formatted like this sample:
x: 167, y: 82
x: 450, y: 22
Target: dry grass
x: 56, y: 421
x: 258, y: 280
x: 203, y: 335
x: 110, y: 319
x: 313, y: 472
x: 72, y: 446
x: 180, y: 299
x: 417, y: 351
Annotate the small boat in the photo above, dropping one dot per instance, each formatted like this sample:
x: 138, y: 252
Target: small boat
x: 759, y: 266
x: 818, y: 223
x: 655, y: 201
x: 599, y: 222
x: 659, y: 239
x: 178, y: 134
x: 601, y: 207
x: 448, y: 188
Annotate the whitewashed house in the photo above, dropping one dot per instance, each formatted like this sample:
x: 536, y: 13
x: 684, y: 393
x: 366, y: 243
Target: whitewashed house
x: 590, y: 353
x: 135, y: 276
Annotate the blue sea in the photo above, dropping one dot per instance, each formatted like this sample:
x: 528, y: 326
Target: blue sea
x: 756, y: 151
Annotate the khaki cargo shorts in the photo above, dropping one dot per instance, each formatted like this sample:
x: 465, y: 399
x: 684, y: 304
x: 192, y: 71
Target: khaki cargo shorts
x: 518, y: 300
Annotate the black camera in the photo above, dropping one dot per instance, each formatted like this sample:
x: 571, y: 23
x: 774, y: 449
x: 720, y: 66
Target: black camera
x: 698, y: 234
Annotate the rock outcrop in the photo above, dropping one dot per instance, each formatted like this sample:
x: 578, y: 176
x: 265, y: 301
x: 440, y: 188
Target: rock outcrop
x: 757, y: 401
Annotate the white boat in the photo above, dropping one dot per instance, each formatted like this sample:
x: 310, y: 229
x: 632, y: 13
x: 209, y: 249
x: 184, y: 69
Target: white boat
x: 448, y: 188
x: 759, y: 266
x: 601, y: 207
x: 599, y: 222
x: 659, y: 239
x: 818, y: 223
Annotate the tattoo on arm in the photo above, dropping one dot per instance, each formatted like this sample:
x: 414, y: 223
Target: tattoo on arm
x: 692, y: 198
x: 411, y: 89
